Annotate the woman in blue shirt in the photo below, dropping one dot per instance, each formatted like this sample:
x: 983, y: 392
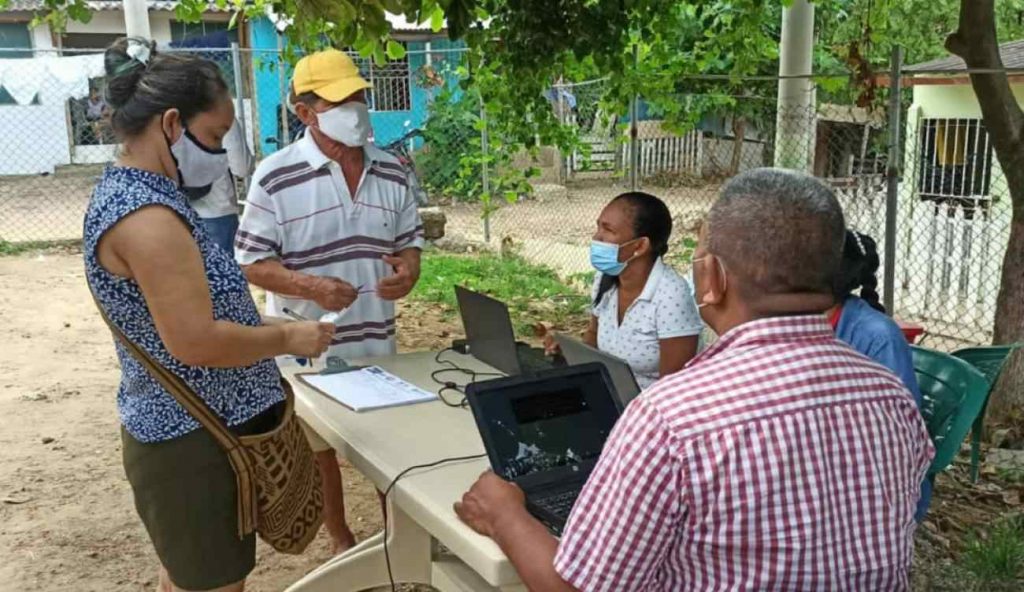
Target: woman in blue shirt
x: 160, y: 278
x: 861, y: 321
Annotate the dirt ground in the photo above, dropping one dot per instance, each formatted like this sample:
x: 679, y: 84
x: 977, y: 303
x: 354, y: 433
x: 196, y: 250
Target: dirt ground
x: 66, y: 516
x: 67, y: 521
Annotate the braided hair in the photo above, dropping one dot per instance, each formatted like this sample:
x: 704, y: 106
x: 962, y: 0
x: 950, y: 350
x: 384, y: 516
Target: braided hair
x: 859, y: 265
x: 651, y: 219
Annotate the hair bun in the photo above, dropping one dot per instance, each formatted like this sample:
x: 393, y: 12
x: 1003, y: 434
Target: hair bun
x: 123, y: 70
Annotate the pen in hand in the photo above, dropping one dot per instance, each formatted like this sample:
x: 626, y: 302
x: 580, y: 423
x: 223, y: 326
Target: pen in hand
x: 297, y: 317
x: 294, y: 315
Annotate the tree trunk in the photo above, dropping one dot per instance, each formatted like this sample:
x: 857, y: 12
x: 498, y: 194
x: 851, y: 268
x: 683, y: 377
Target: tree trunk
x: 1008, y: 399
x: 739, y: 132
x: 975, y: 41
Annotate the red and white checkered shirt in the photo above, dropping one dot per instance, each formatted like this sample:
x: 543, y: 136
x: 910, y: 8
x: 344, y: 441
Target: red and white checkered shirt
x: 779, y: 459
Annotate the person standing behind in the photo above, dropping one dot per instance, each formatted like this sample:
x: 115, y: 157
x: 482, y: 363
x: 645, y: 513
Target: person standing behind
x: 213, y: 195
x: 331, y: 226
x: 862, y: 322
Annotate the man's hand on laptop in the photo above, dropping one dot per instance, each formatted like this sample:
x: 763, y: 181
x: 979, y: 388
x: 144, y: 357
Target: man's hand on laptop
x: 496, y: 508
x: 491, y: 500
x: 333, y: 294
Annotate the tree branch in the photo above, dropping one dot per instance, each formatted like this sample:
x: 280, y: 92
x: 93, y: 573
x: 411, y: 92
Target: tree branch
x: 975, y: 42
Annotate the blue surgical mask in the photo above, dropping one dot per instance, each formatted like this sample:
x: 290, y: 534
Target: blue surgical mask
x: 605, y: 257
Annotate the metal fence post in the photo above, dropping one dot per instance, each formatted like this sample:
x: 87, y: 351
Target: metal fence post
x: 892, y: 174
x: 634, y: 131
x: 286, y: 132
x: 485, y: 180
x: 236, y: 63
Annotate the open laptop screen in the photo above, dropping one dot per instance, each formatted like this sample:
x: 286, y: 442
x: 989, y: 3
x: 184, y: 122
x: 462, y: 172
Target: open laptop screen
x: 577, y: 352
x: 559, y: 419
x: 488, y: 330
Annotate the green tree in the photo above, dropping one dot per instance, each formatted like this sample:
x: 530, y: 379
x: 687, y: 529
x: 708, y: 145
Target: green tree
x: 976, y: 41
x: 518, y: 48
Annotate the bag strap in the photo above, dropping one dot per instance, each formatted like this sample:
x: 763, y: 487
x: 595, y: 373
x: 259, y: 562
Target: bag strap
x: 187, y: 398
x: 177, y: 388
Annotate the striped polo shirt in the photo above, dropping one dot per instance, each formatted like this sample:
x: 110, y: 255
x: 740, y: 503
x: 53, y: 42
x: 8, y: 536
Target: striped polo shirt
x: 299, y: 211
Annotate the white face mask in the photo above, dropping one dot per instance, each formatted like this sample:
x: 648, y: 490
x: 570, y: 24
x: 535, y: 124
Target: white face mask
x: 198, y: 166
x: 348, y: 123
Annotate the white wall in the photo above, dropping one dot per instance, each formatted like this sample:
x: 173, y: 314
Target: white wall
x: 105, y: 22
x: 111, y: 22
x: 34, y: 139
x: 41, y: 38
x: 160, y: 26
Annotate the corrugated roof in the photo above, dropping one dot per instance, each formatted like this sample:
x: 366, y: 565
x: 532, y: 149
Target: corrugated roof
x: 400, y: 23
x: 1012, y: 53
x: 102, y: 5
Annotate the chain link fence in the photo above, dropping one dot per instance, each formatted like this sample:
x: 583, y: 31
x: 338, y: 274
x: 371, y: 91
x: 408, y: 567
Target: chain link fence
x: 952, y: 211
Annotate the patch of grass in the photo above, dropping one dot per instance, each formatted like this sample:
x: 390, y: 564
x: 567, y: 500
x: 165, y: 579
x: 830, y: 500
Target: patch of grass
x: 1010, y: 475
x: 9, y: 249
x: 533, y: 293
x: 680, y: 255
x: 997, y: 559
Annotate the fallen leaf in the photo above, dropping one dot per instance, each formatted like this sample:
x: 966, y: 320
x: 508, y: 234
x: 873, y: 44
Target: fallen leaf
x: 17, y: 500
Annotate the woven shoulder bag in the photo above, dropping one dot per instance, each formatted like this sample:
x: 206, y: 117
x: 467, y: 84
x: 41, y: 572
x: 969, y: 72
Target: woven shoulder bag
x: 279, y: 494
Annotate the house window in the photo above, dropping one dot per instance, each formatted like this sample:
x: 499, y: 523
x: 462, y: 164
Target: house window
x: 390, y: 85
x: 955, y: 159
x: 98, y: 41
x: 15, y: 38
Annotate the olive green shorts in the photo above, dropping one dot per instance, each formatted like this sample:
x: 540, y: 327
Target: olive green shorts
x: 186, y: 495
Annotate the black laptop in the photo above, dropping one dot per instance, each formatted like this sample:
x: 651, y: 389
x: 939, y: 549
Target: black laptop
x: 545, y: 433
x: 491, y: 339
x: 576, y: 352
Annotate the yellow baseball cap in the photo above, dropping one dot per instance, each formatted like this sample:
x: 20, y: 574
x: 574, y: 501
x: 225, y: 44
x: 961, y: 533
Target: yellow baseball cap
x: 331, y: 74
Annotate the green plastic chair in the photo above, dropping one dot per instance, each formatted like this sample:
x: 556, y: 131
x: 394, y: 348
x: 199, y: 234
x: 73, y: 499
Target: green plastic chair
x: 954, y: 394
x: 989, y: 360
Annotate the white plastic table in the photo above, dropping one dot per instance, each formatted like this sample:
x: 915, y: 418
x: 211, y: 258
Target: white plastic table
x: 383, y: 443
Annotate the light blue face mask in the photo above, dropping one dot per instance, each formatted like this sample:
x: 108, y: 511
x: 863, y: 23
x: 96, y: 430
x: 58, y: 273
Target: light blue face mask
x: 605, y: 257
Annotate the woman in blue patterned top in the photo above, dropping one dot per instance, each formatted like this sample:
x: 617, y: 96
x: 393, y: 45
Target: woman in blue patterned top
x: 161, y: 279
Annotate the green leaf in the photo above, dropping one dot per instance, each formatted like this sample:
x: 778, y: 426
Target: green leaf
x: 79, y: 11
x: 380, y: 57
x: 437, y: 20
x: 395, y: 50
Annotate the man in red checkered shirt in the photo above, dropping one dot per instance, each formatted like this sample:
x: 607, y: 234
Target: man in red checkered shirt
x: 779, y: 459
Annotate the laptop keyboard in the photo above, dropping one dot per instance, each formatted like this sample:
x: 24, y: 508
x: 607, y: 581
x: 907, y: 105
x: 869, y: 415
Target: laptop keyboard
x: 559, y: 504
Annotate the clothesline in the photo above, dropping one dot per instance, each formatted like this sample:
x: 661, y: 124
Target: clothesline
x: 53, y: 79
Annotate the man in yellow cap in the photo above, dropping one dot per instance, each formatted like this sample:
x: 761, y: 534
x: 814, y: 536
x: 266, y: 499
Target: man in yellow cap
x: 332, y: 232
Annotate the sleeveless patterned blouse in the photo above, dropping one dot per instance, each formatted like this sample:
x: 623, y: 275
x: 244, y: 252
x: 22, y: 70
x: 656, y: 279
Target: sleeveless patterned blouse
x: 149, y: 413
